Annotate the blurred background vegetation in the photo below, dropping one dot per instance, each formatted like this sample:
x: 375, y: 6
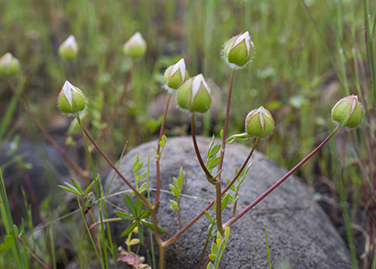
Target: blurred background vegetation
x: 309, y: 54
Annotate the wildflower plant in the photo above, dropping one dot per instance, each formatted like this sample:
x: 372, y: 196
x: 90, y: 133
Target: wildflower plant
x: 193, y: 95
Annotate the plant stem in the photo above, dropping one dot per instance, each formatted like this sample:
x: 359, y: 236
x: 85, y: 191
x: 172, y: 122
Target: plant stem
x: 31, y: 253
x: 218, y: 213
x: 369, y: 41
x: 142, y: 198
x: 207, y: 173
x: 117, y: 105
x: 280, y: 181
x: 205, y: 246
x: 176, y: 236
x: 159, y: 153
x: 218, y: 207
x: 75, y: 167
x: 225, y: 126
x: 104, y: 221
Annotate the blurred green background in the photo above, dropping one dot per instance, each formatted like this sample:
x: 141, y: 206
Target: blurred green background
x: 309, y: 54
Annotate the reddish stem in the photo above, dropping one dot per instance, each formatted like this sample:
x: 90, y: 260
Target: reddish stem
x: 31, y: 253
x: 78, y: 169
x: 207, y: 173
x: 280, y: 181
x: 143, y: 199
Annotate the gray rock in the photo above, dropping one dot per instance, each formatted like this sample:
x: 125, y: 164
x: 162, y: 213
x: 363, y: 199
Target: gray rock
x: 299, y: 232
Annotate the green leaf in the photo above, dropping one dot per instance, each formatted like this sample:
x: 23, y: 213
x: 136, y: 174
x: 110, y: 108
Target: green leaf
x: 177, y: 192
x: 175, y: 181
x: 129, y: 229
x: 77, y: 185
x: 143, y: 175
x: 145, y: 214
x: 214, y: 151
x: 140, y: 234
x: 181, y: 178
x: 211, y: 142
x: 172, y: 188
x: 213, y: 162
x: 90, y: 186
x: 207, y: 215
x: 8, y: 243
x: 69, y: 190
x: 150, y: 226
x: 124, y: 216
x: 225, y: 201
x: 139, y: 206
x: 210, y: 265
x: 232, y: 186
x: 129, y: 204
x: 214, y: 249
x: 73, y: 188
x: 143, y: 187
x: 174, y: 205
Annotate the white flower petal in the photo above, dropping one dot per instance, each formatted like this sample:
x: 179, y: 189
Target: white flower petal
x: 197, y: 80
x: 179, y: 66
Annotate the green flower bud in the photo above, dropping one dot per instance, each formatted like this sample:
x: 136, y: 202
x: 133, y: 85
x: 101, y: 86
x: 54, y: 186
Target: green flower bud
x: 9, y: 65
x: 71, y: 99
x: 175, y: 76
x: 348, y: 112
x: 68, y: 49
x: 238, y: 50
x: 135, y: 47
x: 194, y: 95
x: 259, y: 123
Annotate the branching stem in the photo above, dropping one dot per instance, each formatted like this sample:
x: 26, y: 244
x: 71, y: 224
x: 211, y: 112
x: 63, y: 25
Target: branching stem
x: 280, y: 181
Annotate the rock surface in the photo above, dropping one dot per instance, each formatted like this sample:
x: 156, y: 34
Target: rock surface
x: 299, y: 232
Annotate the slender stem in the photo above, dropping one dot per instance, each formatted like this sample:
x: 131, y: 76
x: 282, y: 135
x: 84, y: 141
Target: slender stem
x: 207, y: 173
x: 280, y: 181
x: 369, y: 41
x: 179, y: 217
x: 143, y: 199
x: 218, y: 207
x: 117, y: 105
x: 205, y: 246
x: 76, y: 168
x: 105, y: 220
x: 162, y: 253
x: 176, y: 236
x: 31, y: 253
x: 70, y: 76
x: 159, y: 153
x: 225, y: 126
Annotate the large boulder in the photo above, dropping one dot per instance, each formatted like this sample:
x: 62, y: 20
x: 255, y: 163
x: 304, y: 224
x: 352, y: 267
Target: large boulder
x: 299, y: 232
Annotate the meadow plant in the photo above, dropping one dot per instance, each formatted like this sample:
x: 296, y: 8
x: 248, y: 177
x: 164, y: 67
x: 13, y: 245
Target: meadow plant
x: 194, y: 96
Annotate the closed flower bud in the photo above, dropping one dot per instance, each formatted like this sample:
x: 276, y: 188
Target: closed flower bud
x: 194, y: 95
x: 238, y: 50
x: 68, y: 49
x: 9, y: 65
x: 71, y: 99
x: 175, y: 76
x: 259, y: 123
x: 135, y: 47
x: 348, y: 112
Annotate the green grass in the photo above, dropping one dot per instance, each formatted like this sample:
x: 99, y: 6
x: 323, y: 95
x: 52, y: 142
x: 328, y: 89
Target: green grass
x: 301, y: 46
